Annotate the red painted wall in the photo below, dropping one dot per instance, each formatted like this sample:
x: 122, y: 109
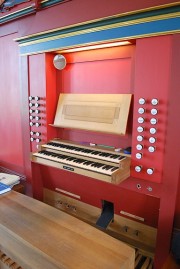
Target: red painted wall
x: 10, y: 105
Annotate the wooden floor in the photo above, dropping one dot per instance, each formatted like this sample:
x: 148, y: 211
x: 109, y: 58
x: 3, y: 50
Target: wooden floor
x: 171, y: 264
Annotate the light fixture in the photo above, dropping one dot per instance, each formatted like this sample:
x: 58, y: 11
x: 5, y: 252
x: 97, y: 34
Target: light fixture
x: 59, y: 62
x: 98, y: 46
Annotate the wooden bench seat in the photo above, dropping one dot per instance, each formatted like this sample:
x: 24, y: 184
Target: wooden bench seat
x: 37, y: 236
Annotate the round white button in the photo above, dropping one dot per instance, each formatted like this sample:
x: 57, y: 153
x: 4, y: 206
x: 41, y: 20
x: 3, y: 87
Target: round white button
x: 140, y: 119
x: 142, y: 101
x: 37, y: 118
x: 138, y: 155
x: 141, y: 110
x: 140, y: 129
x: 30, y: 104
x: 138, y: 168
x: 152, y: 140
x: 150, y: 171
x: 152, y: 130
x: 38, y: 124
x: 37, y: 105
x: 140, y: 138
x: 139, y: 147
x: 154, y: 111
x: 154, y: 101
x: 153, y: 121
x: 151, y: 149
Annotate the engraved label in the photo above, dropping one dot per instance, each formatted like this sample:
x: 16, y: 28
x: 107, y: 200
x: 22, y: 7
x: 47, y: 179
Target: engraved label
x: 68, y: 168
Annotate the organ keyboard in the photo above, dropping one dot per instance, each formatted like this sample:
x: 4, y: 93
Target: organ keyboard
x: 102, y: 164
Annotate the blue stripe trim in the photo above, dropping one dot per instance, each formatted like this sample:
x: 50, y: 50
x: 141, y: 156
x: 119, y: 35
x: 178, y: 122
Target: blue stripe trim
x: 19, y: 14
x: 125, y: 32
x: 28, y: 11
x: 102, y: 22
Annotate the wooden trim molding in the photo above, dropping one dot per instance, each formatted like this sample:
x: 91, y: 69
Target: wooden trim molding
x: 161, y: 20
x: 32, y: 7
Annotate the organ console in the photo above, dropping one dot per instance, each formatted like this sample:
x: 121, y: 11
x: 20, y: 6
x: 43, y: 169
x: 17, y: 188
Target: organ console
x: 98, y: 163
x: 105, y: 113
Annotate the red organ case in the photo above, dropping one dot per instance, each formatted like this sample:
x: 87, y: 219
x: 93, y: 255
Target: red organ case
x: 149, y: 71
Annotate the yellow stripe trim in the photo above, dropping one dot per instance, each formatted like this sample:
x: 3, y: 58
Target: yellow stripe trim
x: 101, y: 28
x: 100, y: 19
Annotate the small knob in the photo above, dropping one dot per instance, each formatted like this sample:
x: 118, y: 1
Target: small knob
x: 141, y: 110
x: 37, y: 124
x: 37, y: 98
x: 38, y: 140
x: 136, y: 233
x: 32, y: 133
x: 142, y: 101
x: 138, y: 168
x: 154, y: 101
x: 37, y: 111
x: 139, y: 147
x: 150, y: 171
x: 152, y: 140
x: 31, y: 117
x: 31, y: 98
x: 30, y: 104
x: 140, y: 129
x: 151, y: 149
x: 32, y: 139
x: 153, y: 121
x: 37, y: 105
x: 125, y: 229
x: 31, y: 111
x: 154, y: 111
x: 141, y: 120
x: 138, y: 155
x: 37, y: 118
x: 32, y: 123
x: 153, y: 130
x: 140, y: 138
x: 38, y: 133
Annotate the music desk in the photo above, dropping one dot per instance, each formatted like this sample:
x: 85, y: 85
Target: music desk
x: 37, y: 236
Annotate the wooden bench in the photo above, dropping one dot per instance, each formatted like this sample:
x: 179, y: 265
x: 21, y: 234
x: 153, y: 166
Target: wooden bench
x: 34, y: 235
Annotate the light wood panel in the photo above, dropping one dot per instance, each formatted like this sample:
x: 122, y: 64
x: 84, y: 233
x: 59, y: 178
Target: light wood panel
x: 94, y: 112
x: 37, y: 236
x: 139, y: 235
